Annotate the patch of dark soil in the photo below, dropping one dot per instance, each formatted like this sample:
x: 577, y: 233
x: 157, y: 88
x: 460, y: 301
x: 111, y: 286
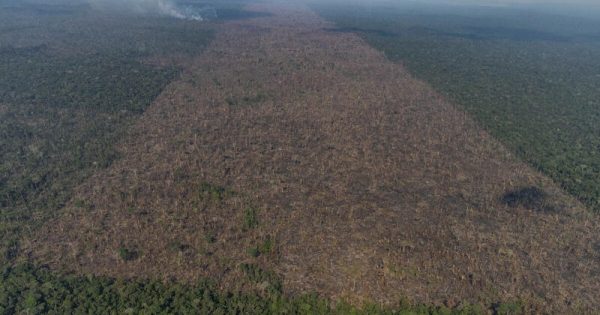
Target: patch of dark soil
x: 532, y: 198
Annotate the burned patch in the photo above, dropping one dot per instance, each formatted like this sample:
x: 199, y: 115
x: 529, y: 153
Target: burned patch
x: 532, y: 198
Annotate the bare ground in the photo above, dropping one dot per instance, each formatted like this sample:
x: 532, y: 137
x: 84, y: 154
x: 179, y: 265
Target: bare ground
x: 371, y: 185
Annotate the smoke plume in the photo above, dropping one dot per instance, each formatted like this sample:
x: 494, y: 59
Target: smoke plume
x: 157, y: 7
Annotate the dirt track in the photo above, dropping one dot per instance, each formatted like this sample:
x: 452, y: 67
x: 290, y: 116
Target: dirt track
x: 370, y: 184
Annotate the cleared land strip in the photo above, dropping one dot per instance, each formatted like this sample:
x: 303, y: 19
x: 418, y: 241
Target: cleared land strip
x: 308, y: 153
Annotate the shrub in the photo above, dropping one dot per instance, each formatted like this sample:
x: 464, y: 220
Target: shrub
x: 250, y: 218
x: 128, y: 254
x: 208, y: 191
x: 210, y: 237
x: 267, y: 245
x: 512, y: 308
x: 254, y: 251
x: 260, y: 276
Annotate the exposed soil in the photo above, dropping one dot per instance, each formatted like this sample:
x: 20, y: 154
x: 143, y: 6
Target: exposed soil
x: 371, y: 185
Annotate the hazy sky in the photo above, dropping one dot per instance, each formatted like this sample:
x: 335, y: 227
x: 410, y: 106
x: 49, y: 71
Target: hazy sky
x: 538, y: 3
x: 541, y: 3
x: 585, y: 7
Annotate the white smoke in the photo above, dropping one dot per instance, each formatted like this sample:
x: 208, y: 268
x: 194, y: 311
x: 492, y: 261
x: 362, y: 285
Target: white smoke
x: 170, y: 9
x: 157, y: 7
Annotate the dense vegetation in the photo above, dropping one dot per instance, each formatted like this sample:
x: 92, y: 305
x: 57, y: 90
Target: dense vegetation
x: 29, y: 290
x: 532, y: 79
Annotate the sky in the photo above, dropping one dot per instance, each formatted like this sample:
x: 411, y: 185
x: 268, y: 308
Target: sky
x: 506, y: 2
x: 518, y: 2
x: 533, y: 3
x: 582, y: 4
x: 587, y: 8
